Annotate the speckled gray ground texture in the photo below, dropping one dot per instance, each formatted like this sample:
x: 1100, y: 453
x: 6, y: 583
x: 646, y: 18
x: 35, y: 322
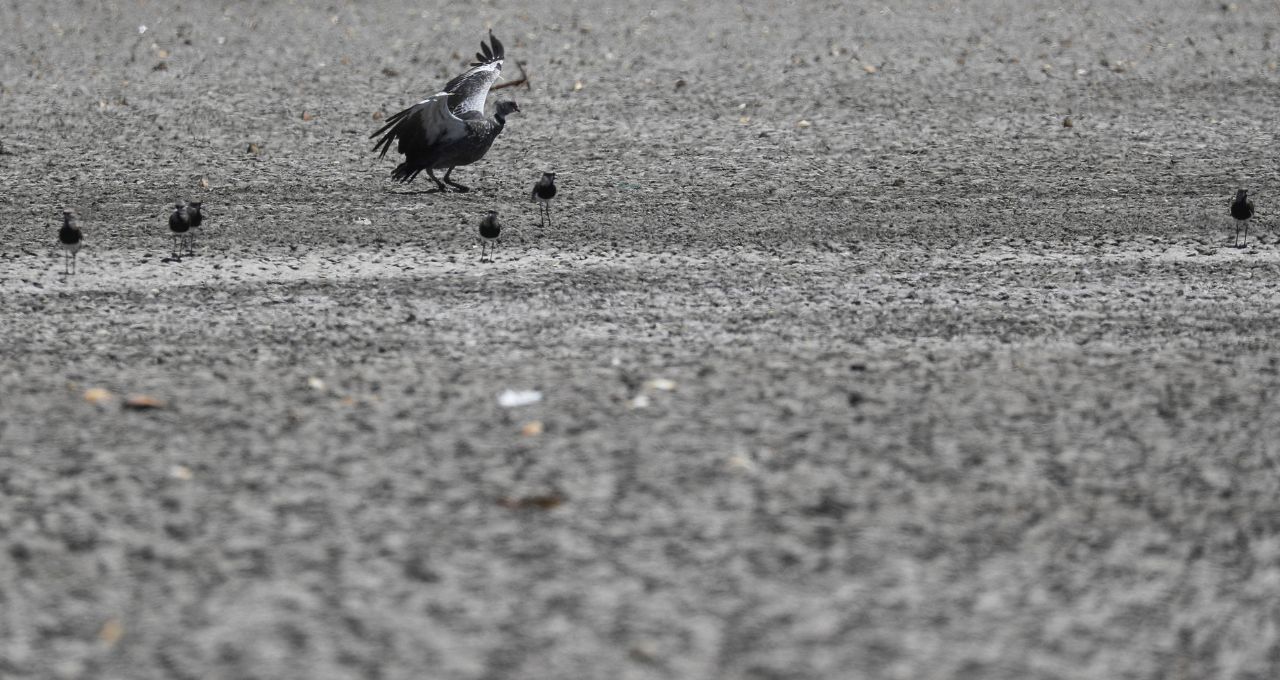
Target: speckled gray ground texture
x: 855, y: 361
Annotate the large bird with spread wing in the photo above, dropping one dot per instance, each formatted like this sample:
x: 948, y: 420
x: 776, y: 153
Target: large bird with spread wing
x: 449, y: 129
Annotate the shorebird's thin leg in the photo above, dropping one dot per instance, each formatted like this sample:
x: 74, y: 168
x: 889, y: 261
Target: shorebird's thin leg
x: 456, y: 187
x: 1246, y: 235
x: 74, y: 268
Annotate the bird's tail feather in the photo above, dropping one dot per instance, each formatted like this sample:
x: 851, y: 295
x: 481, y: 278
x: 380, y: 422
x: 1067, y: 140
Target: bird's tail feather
x: 405, y: 172
x: 383, y: 145
x: 391, y: 121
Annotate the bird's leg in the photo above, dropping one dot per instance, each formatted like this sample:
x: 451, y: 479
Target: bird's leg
x: 456, y: 187
x: 548, y: 214
x: 1246, y: 234
x: 439, y: 185
x: 542, y: 214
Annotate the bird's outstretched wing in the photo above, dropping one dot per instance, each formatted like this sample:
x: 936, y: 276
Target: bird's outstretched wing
x: 472, y: 87
x: 421, y: 126
x: 465, y: 96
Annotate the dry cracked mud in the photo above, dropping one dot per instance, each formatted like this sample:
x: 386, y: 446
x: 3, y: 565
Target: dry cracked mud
x: 855, y: 361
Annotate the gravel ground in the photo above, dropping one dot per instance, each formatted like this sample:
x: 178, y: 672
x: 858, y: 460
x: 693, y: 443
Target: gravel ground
x: 855, y: 361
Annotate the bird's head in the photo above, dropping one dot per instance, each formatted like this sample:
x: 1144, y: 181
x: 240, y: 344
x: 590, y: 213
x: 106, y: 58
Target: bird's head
x: 508, y: 106
x: 194, y: 205
x: 549, y: 176
x: 1241, y: 193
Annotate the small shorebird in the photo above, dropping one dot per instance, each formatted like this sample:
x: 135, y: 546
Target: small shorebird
x: 449, y: 129
x: 1242, y: 210
x: 490, y: 232
x: 543, y: 192
x: 71, y: 237
x: 180, y: 226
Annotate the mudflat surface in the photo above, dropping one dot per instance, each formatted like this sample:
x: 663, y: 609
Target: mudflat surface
x: 854, y: 361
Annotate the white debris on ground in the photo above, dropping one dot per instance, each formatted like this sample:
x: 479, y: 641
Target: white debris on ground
x: 514, y: 398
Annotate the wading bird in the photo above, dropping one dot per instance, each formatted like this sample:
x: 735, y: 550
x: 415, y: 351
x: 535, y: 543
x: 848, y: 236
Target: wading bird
x: 543, y: 192
x: 1242, y: 210
x: 70, y: 236
x: 180, y: 225
x: 490, y: 232
x: 449, y: 129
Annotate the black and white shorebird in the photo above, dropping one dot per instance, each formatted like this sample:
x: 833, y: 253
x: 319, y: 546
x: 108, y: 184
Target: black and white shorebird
x: 543, y: 191
x: 449, y: 128
x: 180, y: 226
x: 1242, y: 210
x: 490, y: 232
x: 70, y: 237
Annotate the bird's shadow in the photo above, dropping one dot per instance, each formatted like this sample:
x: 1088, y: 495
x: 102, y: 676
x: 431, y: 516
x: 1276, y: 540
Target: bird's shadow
x: 468, y: 190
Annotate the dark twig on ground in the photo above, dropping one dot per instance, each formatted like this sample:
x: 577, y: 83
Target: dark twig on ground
x: 522, y: 80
